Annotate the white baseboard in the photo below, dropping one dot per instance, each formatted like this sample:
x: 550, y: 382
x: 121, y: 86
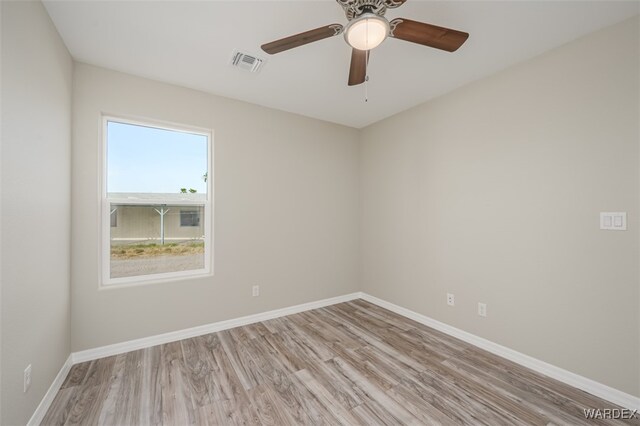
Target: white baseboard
x: 591, y: 386
x: 146, y: 342
x: 44, y: 405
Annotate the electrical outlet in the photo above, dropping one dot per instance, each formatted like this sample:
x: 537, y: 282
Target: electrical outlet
x: 27, y: 378
x: 451, y: 300
x: 482, y: 309
x: 255, y: 291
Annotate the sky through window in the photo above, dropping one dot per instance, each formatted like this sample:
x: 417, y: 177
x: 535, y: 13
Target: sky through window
x: 151, y: 160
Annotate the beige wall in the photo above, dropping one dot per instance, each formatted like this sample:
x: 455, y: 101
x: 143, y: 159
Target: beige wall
x: 36, y: 113
x: 493, y: 193
x: 286, y: 211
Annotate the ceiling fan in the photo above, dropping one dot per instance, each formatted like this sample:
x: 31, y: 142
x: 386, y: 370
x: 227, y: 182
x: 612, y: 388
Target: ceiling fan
x: 367, y: 28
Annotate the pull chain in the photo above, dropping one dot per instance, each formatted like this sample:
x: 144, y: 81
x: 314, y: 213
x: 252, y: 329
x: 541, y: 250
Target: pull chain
x: 366, y: 67
x: 366, y: 87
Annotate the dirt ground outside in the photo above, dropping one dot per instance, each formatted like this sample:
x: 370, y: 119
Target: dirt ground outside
x: 146, y: 259
x: 155, y: 265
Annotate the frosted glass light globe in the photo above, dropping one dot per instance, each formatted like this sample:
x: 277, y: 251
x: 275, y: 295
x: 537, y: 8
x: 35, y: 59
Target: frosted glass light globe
x: 366, y: 31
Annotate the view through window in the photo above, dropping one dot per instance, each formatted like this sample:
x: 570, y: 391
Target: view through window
x: 156, y: 202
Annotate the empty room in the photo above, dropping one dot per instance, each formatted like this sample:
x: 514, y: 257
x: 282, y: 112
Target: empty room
x: 349, y: 212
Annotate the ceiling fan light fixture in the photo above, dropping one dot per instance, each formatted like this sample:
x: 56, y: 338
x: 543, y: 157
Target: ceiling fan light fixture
x: 366, y: 31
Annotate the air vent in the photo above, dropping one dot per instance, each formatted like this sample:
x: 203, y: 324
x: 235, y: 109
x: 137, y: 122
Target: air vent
x: 246, y: 62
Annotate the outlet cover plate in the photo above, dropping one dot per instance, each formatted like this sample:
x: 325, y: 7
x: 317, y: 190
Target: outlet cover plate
x: 451, y: 299
x: 482, y: 309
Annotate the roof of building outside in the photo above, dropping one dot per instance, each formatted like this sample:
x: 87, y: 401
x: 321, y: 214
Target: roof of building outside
x: 149, y: 196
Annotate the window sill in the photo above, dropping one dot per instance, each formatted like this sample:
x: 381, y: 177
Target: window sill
x: 170, y: 277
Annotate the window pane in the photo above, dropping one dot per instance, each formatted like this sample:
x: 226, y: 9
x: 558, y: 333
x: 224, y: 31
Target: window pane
x: 157, y: 191
x: 150, y: 160
x: 189, y: 218
x: 150, y: 239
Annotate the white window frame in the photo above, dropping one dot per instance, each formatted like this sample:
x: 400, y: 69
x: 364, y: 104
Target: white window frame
x: 106, y: 282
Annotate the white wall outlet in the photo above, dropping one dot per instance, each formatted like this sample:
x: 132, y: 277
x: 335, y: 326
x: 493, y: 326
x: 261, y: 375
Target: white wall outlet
x: 255, y: 291
x: 451, y: 299
x: 27, y: 378
x: 482, y: 309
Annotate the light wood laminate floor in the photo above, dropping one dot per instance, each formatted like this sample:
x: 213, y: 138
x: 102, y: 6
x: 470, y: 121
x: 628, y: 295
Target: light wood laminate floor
x: 351, y: 363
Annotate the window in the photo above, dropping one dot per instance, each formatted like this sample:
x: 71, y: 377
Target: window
x: 156, y: 202
x: 189, y: 218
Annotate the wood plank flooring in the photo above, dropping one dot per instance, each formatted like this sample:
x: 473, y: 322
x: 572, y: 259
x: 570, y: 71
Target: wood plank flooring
x: 351, y: 363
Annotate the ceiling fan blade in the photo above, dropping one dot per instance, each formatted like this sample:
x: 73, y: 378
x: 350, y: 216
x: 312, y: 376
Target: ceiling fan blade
x: 358, y: 69
x: 427, y: 34
x: 302, y: 39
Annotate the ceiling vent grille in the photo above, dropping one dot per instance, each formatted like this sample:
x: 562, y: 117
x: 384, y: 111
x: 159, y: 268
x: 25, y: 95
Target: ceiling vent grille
x: 246, y: 62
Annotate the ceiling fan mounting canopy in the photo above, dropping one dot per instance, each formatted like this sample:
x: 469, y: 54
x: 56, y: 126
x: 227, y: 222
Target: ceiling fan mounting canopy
x: 355, y: 8
x: 367, y: 28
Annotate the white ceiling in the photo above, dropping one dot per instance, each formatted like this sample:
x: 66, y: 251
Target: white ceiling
x: 189, y: 43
